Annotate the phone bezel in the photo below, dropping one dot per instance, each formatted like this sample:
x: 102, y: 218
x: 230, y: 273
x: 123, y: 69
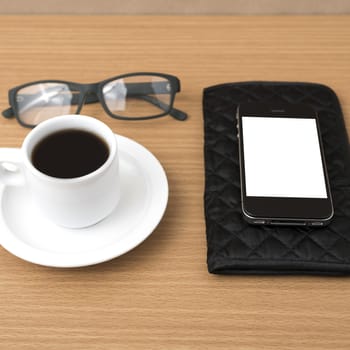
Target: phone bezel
x: 283, y: 209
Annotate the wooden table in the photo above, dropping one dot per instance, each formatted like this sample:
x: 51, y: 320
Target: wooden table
x: 160, y: 295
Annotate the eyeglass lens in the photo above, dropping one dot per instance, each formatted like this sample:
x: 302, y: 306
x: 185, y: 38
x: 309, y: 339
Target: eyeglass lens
x: 39, y: 102
x: 138, y: 96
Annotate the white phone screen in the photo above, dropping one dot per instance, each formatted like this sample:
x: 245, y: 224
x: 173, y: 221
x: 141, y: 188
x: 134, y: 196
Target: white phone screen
x: 282, y: 158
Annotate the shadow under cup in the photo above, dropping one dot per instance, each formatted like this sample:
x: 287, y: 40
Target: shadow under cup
x: 71, y: 168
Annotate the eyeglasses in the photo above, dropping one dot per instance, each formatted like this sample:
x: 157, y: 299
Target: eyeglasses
x: 136, y: 96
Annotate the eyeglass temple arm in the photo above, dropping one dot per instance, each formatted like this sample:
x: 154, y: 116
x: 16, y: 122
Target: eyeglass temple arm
x: 174, y: 112
x: 8, y: 113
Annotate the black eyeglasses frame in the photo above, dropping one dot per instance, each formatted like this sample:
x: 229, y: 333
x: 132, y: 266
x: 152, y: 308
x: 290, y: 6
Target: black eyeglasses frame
x: 92, y: 93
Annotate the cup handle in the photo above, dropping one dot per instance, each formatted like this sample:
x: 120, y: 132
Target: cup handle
x: 11, y: 167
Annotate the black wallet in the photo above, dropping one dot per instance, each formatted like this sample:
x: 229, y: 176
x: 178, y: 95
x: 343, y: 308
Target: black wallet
x: 236, y: 247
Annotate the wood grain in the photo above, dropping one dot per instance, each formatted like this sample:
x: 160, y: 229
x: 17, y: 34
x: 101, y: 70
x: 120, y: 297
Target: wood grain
x: 160, y: 295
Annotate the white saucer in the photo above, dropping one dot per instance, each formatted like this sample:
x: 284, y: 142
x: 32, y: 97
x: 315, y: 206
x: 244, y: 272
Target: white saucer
x: 144, y: 195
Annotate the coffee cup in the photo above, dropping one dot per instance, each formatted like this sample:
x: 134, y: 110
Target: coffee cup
x: 70, y: 166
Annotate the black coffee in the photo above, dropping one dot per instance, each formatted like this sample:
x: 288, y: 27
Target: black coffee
x: 69, y: 153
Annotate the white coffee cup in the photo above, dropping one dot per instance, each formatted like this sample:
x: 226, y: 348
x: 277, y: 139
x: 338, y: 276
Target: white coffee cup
x: 74, y: 202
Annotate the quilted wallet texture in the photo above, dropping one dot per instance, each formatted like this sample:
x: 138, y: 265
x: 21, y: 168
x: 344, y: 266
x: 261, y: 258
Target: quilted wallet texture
x: 234, y: 246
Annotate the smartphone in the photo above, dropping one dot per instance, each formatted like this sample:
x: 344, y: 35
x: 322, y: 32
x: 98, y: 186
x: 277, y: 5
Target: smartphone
x: 283, y: 171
